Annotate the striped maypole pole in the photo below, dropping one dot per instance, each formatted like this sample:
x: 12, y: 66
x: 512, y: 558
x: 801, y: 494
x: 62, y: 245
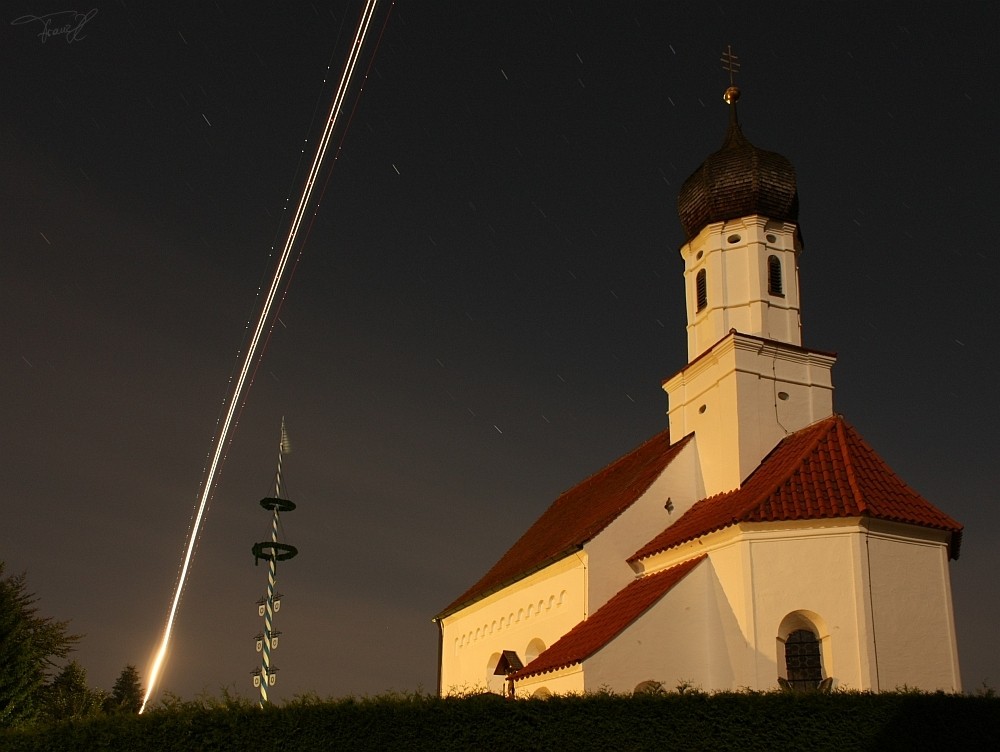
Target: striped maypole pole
x: 273, y: 551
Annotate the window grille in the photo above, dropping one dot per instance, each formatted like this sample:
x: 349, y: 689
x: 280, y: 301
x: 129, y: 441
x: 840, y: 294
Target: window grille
x: 803, y: 660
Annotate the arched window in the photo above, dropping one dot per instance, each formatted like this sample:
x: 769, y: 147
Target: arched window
x: 494, y: 683
x: 535, y: 648
x: 804, y: 652
x: 775, y: 285
x: 701, y: 289
x: 803, y: 659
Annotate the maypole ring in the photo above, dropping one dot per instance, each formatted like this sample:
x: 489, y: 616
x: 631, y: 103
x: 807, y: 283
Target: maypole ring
x: 278, y: 551
x: 277, y: 505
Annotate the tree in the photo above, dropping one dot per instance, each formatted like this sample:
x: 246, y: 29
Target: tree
x: 30, y: 644
x: 126, y: 695
x: 69, y: 696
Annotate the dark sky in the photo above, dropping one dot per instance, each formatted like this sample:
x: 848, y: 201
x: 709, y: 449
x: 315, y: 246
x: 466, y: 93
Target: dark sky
x: 484, y: 309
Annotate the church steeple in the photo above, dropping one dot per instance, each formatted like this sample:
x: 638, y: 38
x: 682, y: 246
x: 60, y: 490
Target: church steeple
x: 748, y: 382
x: 739, y: 211
x: 736, y: 181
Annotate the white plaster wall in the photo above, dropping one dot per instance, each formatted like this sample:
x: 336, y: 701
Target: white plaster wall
x: 779, y: 391
x: 681, y: 638
x: 704, y: 326
x: 782, y: 315
x: 719, y: 627
x: 609, y: 571
x: 800, y: 569
x: 732, y: 571
x: 767, y: 571
x: 914, y: 626
x: 731, y: 399
x: 734, y: 256
x: 702, y: 400
x: 544, y: 606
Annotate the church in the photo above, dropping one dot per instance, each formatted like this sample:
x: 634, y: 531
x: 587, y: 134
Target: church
x: 758, y: 542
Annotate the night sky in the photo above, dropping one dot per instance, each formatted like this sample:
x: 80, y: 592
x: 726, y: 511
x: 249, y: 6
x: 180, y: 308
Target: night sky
x: 485, y: 307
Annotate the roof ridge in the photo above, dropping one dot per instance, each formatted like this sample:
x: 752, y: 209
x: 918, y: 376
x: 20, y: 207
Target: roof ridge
x: 768, y: 490
x: 828, y: 471
x: 618, y: 461
x: 852, y: 477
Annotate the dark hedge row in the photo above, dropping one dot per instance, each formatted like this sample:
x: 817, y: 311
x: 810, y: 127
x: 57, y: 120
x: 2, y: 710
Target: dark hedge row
x: 690, y: 721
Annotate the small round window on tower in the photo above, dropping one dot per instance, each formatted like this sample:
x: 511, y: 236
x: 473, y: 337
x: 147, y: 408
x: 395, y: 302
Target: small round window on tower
x: 700, y: 254
x: 702, y: 409
x: 782, y: 395
x: 734, y: 239
x: 771, y: 238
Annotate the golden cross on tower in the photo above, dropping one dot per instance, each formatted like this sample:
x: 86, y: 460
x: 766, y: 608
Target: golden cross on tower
x: 731, y: 62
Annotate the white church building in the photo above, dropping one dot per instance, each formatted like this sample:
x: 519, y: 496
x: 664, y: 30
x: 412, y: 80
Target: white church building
x: 759, y: 541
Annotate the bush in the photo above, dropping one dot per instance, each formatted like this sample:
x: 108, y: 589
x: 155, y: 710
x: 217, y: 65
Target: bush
x: 688, y: 720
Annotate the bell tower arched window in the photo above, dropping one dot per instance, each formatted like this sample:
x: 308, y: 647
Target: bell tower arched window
x: 775, y: 285
x: 701, y: 290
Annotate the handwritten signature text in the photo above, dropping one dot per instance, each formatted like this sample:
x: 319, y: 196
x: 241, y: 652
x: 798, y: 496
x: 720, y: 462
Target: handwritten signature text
x: 63, y: 23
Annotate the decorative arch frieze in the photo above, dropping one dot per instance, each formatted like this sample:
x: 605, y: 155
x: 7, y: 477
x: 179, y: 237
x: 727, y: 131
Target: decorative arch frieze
x: 531, y: 610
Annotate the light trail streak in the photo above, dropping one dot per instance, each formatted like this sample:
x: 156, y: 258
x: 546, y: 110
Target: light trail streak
x: 235, y: 398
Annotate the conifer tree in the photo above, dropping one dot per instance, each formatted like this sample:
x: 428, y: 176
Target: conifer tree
x: 30, y: 644
x: 69, y: 696
x: 126, y: 695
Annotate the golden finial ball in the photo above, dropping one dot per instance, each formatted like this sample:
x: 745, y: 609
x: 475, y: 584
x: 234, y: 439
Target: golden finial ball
x: 732, y: 95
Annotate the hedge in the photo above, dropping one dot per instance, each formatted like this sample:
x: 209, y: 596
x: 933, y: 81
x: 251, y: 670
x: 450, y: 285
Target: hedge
x: 688, y: 721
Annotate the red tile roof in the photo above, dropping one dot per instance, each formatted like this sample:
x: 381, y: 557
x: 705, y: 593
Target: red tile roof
x: 610, y: 620
x: 576, y: 517
x: 823, y: 471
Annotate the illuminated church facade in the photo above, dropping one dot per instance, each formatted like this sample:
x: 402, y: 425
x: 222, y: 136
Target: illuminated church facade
x: 759, y: 541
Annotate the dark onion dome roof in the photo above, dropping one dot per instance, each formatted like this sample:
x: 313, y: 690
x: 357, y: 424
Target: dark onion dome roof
x: 736, y: 181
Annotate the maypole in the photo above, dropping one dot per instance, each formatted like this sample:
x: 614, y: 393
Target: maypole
x: 274, y: 551
x: 254, y: 351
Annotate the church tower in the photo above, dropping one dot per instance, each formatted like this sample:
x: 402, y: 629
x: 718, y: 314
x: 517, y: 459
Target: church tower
x: 748, y: 382
x: 740, y: 211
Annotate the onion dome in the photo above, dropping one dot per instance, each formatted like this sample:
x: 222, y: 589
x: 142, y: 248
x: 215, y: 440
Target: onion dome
x: 736, y: 181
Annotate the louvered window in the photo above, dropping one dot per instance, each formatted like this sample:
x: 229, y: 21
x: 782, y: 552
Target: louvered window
x: 701, y: 289
x: 774, y: 282
x: 802, y: 660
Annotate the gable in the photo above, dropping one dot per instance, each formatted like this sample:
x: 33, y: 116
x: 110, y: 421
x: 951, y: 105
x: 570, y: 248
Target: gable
x: 576, y: 517
x: 592, y: 634
x: 823, y: 471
